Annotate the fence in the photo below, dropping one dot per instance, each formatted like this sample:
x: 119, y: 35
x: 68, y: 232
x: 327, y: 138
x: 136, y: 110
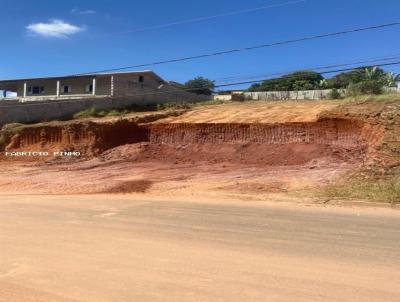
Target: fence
x: 300, y: 95
x: 12, y: 111
x: 290, y: 95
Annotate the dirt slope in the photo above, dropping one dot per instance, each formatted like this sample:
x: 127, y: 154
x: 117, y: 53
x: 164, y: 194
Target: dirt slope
x: 255, y: 112
x: 245, y: 148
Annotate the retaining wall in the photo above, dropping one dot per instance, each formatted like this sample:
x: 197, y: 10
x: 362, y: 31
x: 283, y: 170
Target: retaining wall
x: 290, y: 95
x: 299, y: 95
x: 39, y: 111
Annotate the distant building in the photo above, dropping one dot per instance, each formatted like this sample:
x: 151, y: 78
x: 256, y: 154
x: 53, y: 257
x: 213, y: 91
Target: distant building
x: 120, y: 84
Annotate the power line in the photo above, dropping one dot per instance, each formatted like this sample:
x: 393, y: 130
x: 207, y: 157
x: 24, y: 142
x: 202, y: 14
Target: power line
x: 199, y: 19
x: 219, y: 53
x: 365, y: 61
x: 324, y: 72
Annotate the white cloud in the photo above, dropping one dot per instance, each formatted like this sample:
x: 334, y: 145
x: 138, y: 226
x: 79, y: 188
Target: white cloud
x: 54, y: 29
x: 77, y: 11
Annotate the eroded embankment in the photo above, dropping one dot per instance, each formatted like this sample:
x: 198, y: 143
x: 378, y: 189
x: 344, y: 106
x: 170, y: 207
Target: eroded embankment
x: 344, y: 133
x: 89, y: 138
x: 288, y: 143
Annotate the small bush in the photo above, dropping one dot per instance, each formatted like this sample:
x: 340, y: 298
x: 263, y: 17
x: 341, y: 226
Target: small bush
x: 213, y: 102
x: 93, y: 112
x: 365, y: 87
x: 334, y: 94
x: 116, y: 112
x: 90, y: 112
x: 174, y: 105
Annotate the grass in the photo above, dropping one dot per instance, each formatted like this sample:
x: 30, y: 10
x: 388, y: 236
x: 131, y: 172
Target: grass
x: 382, y: 190
x: 213, y: 102
x: 385, y: 97
x: 93, y: 112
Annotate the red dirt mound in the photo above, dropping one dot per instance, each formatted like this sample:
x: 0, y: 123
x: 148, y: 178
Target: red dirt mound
x: 254, y: 154
x: 314, y: 144
x: 88, y: 138
x: 131, y: 186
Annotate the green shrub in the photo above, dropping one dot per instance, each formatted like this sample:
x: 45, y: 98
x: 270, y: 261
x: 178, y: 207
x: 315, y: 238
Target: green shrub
x: 365, y: 87
x: 116, y: 112
x: 90, y: 112
x: 334, y: 94
x: 93, y: 112
x: 200, y: 85
x: 299, y: 80
x: 174, y: 105
x: 212, y: 102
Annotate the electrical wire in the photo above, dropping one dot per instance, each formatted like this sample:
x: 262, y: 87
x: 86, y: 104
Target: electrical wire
x: 324, y: 72
x: 365, y: 61
x: 199, y: 19
x: 231, y: 51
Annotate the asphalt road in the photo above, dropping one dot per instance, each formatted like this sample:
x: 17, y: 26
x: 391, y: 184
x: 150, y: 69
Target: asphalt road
x: 92, y: 248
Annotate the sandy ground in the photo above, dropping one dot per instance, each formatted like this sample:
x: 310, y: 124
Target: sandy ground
x: 126, y: 248
x: 214, y: 180
x: 254, y: 112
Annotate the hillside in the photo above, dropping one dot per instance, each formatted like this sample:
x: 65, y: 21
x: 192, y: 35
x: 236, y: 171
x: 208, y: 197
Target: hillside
x: 238, y: 150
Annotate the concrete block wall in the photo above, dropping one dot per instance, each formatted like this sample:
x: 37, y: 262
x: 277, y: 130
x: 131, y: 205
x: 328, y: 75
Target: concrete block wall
x: 300, y: 95
x: 290, y: 95
x: 32, y: 112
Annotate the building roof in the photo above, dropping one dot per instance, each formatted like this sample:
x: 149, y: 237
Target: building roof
x: 86, y: 75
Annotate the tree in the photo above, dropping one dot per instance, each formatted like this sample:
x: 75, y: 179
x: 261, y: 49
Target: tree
x: 391, y: 79
x: 365, y: 87
x: 200, y: 85
x: 362, y: 74
x: 343, y: 80
x: 299, y: 80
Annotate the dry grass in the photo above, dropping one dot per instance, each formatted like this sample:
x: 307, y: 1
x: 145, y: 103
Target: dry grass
x: 382, y: 190
x: 387, y: 97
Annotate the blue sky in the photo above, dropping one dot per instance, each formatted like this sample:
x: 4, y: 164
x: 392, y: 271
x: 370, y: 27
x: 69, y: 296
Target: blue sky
x: 89, y: 35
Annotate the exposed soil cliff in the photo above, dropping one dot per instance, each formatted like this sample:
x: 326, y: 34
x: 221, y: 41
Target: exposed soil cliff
x: 91, y: 139
x: 119, y: 154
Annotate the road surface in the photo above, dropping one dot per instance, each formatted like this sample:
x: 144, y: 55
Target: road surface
x: 105, y: 248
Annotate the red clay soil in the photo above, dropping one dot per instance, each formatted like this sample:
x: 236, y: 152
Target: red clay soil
x: 125, y: 157
x: 253, y: 154
x: 91, y: 139
x: 131, y: 186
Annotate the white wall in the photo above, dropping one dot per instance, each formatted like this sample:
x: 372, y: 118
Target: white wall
x: 291, y: 95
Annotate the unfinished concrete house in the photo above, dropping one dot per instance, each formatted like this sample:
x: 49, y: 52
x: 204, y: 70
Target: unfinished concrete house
x: 43, y: 99
x: 145, y: 84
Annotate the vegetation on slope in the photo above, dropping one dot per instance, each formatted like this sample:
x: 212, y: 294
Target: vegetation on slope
x: 362, y: 80
x: 379, y: 179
